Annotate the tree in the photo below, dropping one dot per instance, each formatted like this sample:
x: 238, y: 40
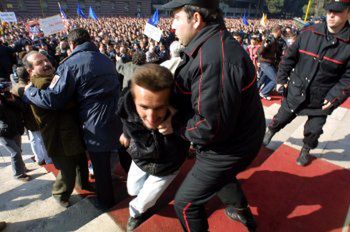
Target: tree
x: 275, y: 6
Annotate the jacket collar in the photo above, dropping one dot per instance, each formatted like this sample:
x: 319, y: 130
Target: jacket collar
x: 203, y: 35
x: 127, y: 108
x: 343, y: 34
x: 87, y: 46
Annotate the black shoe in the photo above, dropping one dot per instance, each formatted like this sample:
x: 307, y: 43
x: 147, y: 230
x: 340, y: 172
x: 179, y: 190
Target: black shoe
x: 268, y: 136
x: 304, y: 157
x: 243, y: 215
x: 63, y: 203
x: 41, y: 162
x: 23, y: 177
x: 133, y: 223
x: 2, y: 225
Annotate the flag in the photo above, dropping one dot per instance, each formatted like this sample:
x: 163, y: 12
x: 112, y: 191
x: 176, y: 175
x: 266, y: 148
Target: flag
x: 92, y: 14
x: 155, y: 19
x: 245, y: 20
x: 80, y: 12
x: 263, y: 20
x: 63, y: 15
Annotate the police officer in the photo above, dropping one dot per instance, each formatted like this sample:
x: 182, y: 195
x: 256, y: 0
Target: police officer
x: 90, y: 79
x: 316, y: 72
x: 220, y: 112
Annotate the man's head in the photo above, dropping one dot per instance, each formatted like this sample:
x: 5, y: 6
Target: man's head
x: 276, y: 31
x: 38, y: 64
x: 78, y: 36
x: 151, y: 87
x: 190, y: 16
x: 338, y: 13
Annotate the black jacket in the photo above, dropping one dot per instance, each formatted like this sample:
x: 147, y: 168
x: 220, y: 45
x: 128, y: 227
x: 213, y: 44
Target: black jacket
x: 151, y: 151
x: 11, y: 117
x: 7, y: 59
x: 316, y: 67
x: 217, y: 96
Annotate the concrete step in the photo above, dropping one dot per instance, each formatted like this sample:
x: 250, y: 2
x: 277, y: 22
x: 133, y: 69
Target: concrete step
x: 104, y: 223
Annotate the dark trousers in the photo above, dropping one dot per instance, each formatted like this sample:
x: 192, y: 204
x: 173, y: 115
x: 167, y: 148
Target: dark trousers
x: 73, y: 170
x: 312, y: 127
x: 207, y: 178
x: 102, y: 172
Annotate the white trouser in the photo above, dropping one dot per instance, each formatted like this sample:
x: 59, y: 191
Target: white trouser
x: 38, y: 147
x: 146, y: 187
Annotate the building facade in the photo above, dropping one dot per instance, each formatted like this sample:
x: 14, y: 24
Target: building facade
x: 46, y: 8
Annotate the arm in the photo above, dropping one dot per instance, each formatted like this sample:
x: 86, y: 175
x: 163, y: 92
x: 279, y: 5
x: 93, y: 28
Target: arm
x: 288, y: 62
x: 341, y: 90
x: 57, y: 95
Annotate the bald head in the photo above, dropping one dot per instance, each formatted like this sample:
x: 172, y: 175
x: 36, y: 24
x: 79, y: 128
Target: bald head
x: 38, y: 64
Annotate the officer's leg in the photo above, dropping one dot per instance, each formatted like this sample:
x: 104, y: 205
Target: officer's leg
x: 82, y: 172
x: 204, y: 180
x: 102, y: 171
x: 313, y: 130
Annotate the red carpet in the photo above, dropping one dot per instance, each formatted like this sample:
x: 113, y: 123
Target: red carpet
x: 283, y: 197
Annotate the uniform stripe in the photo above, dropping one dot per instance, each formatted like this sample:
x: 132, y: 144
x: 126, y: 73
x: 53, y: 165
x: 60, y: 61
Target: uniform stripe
x: 185, y: 217
x: 309, y: 53
x: 200, y: 81
x: 333, y: 60
x: 196, y: 125
x: 250, y: 84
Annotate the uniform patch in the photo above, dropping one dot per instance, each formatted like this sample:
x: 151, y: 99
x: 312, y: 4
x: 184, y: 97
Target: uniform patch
x: 54, y: 81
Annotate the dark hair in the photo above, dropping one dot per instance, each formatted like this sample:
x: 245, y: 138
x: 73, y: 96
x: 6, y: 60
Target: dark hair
x: 139, y: 58
x: 210, y: 16
x: 79, y: 36
x: 152, y: 77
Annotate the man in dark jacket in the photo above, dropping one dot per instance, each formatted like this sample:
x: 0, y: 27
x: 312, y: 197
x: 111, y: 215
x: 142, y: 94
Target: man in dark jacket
x: 11, y: 129
x: 156, y: 157
x: 220, y: 112
x: 90, y: 79
x: 60, y: 131
x: 316, y: 72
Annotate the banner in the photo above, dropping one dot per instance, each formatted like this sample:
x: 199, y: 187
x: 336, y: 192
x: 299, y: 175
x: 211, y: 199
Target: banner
x: 52, y: 25
x: 9, y: 17
x: 153, y: 32
x: 33, y: 29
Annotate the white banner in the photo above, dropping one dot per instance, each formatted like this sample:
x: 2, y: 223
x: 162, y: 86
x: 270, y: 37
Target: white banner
x: 9, y: 17
x: 52, y: 25
x: 153, y: 32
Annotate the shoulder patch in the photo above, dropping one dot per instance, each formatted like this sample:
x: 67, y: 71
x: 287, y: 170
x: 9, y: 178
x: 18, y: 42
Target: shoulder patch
x: 54, y: 81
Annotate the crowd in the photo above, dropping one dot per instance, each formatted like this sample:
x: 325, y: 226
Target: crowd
x: 97, y: 89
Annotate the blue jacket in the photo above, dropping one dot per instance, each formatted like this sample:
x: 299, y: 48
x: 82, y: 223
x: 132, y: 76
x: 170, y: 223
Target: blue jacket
x: 89, y: 78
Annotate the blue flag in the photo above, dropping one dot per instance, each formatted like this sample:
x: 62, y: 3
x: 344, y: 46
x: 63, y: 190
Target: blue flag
x: 80, y: 12
x: 92, y: 14
x: 245, y: 20
x: 63, y: 15
x: 155, y: 19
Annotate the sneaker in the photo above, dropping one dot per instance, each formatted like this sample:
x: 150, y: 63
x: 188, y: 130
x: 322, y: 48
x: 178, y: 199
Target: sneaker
x: 268, y: 98
x: 133, y: 223
x: 268, y: 136
x: 23, y: 177
x: 243, y: 215
x: 304, y: 158
x: 2, y: 225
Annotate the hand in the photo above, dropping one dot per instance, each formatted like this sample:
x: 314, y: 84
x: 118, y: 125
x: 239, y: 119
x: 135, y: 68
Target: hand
x: 166, y: 128
x: 326, y: 105
x: 280, y: 86
x: 124, y: 141
x: 30, y: 84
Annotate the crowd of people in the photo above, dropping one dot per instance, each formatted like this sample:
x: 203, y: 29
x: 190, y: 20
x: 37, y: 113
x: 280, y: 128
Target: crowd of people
x: 103, y: 87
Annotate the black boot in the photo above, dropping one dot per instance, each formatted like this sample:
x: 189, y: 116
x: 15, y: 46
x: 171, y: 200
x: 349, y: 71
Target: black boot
x: 268, y: 136
x: 304, y: 157
x: 243, y: 215
x: 133, y: 223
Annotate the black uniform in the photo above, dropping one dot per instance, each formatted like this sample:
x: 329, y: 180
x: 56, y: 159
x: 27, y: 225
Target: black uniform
x: 222, y: 116
x: 316, y: 68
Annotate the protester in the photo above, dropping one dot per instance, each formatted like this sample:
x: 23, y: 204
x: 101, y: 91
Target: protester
x: 175, y: 53
x: 318, y: 68
x: 2, y: 225
x: 89, y: 79
x: 156, y: 157
x: 220, y: 113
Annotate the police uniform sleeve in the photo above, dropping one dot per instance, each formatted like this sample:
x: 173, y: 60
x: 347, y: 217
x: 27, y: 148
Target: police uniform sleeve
x: 341, y: 90
x: 288, y: 62
x: 57, y: 95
